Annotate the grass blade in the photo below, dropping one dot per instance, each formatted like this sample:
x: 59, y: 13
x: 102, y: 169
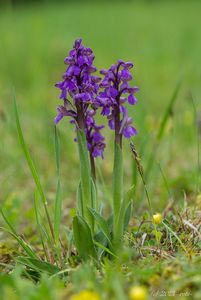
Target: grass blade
x: 58, y: 200
x: 21, y: 242
x: 179, y: 240
x: 167, y: 114
x: 57, y: 149
x: 31, y: 165
x: 124, y: 209
x: 39, y: 226
x: 168, y: 111
x: 57, y: 212
x: 198, y: 145
x: 38, y: 265
x: 105, y: 249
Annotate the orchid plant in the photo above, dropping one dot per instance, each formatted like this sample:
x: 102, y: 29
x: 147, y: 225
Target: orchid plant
x: 84, y: 95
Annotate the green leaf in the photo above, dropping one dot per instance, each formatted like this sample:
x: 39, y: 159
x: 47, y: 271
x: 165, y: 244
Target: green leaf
x: 105, y: 249
x: 167, y: 114
x: 93, y: 195
x: 101, y: 222
x: 100, y: 236
x: 125, y: 212
x: 38, y: 265
x: 57, y: 149
x: 58, y: 200
x: 117, y: 179
x: 57, y: 212
x: 127, y: 216
x: 168, y: 111
x: 83, y: 238
x: 102, y: 240
x: 39, y: 226
x: 27, y: 248
x: 79, y: 200
x: 85, y: 172
x: 21, y: 242
x: 176, y: 236
x: 117, y: 187
x: 31, y: 165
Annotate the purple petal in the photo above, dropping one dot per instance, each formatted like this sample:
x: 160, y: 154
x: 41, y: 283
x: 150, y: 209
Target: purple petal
x: 63, y: 94
x: 128, y: 64
x: 58, y: 118
x: 105, y: 111
x: 125, y: 75
x: 129, y: 131
x: 104, y: 72
x: 77, y: 43
x: 132, y: 99
x: 133, y: 90
x: 111, y: 124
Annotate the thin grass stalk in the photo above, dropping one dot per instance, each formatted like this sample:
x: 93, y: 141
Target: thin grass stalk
x: 39, y: 227
x: 198, y: 145
x: 32, y: 167
x: 141, y: 172
x: 58, y: 200
x: 13, y: 232
x: 168, y: 112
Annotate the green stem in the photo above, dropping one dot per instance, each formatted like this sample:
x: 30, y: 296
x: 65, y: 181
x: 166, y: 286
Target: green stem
x: 93, y: 167
x: 85, y: 174
x: 117, y: 192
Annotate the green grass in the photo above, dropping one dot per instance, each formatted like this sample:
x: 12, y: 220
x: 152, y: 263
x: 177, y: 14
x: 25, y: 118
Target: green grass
x: 164, y: 41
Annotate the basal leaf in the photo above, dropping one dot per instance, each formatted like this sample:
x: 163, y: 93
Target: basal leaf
x: 102, y: 224
x: 38, y: 265
x: 83, y: 238
x: 85, y: 172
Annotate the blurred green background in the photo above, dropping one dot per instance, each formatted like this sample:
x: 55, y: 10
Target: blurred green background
x: 162, y: 38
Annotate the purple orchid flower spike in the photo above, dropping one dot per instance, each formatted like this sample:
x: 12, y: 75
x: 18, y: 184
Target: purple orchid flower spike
x: 80, y: 85
x: 116, y: 92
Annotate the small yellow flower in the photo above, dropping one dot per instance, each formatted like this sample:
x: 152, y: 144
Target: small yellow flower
x: 138, y: 293
x: 157, y: 218
x: 86, y: 295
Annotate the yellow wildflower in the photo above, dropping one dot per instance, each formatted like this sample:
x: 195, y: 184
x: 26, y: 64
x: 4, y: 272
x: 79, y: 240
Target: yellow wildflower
x: 138, y: 293
x: 86, y: 295
x: 157, y: 218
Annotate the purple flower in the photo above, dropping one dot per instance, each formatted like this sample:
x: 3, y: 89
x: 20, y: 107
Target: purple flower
x: 95, y: 140
x: 117, y: 91
x: 80, y: 85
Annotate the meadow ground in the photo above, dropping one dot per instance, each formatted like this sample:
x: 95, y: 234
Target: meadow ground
x: 163, y: 39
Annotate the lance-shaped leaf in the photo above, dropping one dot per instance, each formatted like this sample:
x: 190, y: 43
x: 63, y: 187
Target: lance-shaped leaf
x: 38, y: 265
x: 102, y: 224
x: 85, y: 173
x: 83, y: 238
x: 125, y: 212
